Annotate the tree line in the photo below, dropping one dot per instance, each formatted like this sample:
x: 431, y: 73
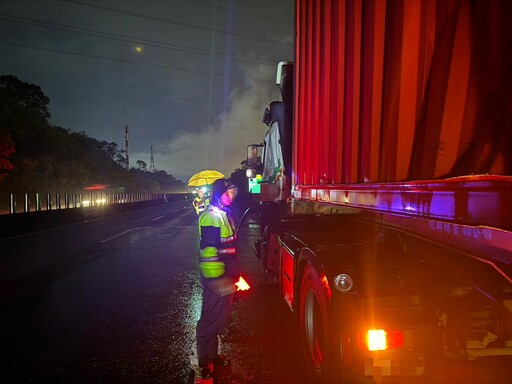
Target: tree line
x: 36, y: 156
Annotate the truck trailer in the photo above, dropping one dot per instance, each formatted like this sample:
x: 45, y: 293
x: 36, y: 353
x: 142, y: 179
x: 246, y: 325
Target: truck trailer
x: 386, y: 198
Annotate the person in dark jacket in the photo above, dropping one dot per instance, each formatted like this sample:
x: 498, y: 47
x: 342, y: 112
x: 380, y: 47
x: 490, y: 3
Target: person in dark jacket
x: 220, y: 270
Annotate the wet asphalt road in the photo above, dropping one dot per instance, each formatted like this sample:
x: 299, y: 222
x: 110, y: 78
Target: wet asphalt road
x: 123, y: 308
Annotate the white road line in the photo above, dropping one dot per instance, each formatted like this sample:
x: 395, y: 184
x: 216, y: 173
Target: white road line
x: 119, y: 234
x: 158, y: 218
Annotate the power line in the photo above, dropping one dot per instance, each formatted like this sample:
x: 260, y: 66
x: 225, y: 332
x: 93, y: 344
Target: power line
x: 153, y: 18
x: 125, y: 38
x: 183, y: 162
x: 195, y: 71
x: 269, y: 19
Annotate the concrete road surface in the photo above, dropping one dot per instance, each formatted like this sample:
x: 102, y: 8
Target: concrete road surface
x: 119, y: 301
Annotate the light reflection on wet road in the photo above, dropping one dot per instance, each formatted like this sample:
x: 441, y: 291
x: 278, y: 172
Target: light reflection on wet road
x: 128, y: 315
x: 124, y: 308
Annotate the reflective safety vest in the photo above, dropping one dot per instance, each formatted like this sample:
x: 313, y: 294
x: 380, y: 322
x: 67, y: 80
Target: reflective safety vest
x: 217, y: 243
x: 200, y: 204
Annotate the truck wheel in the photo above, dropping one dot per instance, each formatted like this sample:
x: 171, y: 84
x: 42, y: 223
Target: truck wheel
x: 317, y: 340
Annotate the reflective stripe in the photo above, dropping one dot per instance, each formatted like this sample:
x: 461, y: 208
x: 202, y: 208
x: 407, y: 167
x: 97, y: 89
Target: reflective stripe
x: 227, y: 251
x: 212, y: 269
x: 209, y: 252
x: 227, y: 239
x: 208, y: 259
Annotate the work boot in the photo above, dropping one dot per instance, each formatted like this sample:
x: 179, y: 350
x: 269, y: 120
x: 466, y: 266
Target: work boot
x: 202, y: 375
x: 221, y: 370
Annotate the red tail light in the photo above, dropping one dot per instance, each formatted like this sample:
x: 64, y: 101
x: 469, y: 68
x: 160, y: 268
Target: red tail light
x: 381, y: 339
x: 395, y: 339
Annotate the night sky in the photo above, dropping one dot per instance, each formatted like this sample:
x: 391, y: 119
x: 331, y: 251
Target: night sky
x: 189, y: 78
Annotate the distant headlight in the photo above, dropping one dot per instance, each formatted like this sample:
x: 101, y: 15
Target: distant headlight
x: 343, y: 282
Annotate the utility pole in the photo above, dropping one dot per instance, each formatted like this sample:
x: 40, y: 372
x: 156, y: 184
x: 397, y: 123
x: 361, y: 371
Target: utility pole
x: 126, y: 146
x: 152, y: 161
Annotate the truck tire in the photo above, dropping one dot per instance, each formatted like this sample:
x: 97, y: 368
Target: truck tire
x: 319, y: 345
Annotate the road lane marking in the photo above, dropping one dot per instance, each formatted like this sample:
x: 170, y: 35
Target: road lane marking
x: 158, y: 218
x: 119, y: 234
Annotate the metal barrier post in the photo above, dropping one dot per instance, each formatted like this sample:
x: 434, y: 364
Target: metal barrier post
x: 26, y: 206
x: 12, y: 203
x: 48, y: 202
x: 38, y: 202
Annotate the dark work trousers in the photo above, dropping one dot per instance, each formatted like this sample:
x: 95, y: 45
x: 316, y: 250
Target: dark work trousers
x: 215, y: 312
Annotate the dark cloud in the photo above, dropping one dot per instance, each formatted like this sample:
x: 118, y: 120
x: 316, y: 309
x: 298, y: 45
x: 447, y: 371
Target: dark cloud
x: 189, y: 78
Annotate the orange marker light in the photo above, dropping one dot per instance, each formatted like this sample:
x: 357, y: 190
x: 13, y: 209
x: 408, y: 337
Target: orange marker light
x: 241, y: 284
x: 376, y: 340
x: 381, y: 340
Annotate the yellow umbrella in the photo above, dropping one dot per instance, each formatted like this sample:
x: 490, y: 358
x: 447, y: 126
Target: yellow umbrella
x: 205, y: 177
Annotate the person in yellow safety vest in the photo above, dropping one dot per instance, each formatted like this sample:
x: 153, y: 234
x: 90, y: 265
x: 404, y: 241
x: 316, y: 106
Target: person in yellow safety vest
x: 220, y: 269
x: 200, y: 202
